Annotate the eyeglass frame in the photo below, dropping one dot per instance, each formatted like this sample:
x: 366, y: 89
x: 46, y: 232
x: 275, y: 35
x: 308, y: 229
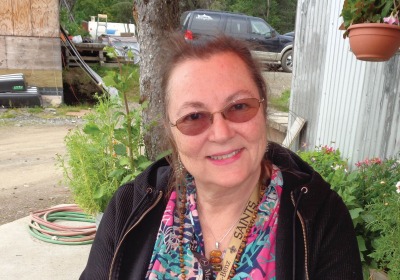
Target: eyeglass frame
x: 211, y: 115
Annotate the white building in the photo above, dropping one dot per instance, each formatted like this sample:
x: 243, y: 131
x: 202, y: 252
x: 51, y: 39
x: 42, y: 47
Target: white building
x: 102, y: 26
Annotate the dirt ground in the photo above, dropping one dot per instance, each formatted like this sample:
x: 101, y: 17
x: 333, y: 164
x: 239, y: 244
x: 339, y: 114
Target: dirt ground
x: 30, y: 178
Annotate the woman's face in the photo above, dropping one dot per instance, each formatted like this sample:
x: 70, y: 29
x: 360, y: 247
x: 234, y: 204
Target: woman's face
x: 226, y: 154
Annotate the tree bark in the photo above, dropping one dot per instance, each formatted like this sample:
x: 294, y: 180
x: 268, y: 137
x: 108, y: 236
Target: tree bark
x: 155, y: 19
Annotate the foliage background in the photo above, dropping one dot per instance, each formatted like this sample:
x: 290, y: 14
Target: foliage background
x: 371, y: 192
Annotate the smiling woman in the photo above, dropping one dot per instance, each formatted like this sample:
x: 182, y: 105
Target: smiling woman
x: 227, y: 204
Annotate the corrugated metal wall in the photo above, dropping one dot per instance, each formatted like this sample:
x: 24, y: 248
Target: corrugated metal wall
x: 348, y: 104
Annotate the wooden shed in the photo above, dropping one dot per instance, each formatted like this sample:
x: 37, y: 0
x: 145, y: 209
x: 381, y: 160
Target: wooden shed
x: 30, y: 44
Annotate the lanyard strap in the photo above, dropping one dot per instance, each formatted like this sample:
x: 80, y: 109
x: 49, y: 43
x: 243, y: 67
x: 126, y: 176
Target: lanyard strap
x: 239, y: 235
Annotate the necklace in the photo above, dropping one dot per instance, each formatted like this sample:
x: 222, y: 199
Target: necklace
x: 216, y: 254
x: 242, y: 246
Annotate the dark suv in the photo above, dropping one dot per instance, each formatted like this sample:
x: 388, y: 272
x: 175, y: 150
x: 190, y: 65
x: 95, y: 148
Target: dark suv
x: 269, y: 46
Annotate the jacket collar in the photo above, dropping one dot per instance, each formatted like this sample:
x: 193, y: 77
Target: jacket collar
x: 297, y: 174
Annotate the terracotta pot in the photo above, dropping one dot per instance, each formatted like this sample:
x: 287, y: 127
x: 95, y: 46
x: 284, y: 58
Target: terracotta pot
x: 374, y: 41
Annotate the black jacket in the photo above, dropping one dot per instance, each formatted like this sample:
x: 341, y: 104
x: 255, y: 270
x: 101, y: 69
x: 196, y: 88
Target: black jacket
x: 320, y: 245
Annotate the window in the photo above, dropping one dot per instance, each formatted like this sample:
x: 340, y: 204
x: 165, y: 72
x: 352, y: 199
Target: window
x: 261, y: 28
x: 236, y: 25
x: 205, y: 21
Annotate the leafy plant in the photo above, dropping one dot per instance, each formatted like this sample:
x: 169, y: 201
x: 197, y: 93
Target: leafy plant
x: 386, y: 221
x: 369, y: 194
x: 108, y: 150
x: 73, y: 28
x: 104, y: 153
x: 368, y: 11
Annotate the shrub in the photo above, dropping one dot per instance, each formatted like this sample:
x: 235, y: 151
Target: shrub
x: 369, y: 194
x: 104, y: 154
x: 108, y: 150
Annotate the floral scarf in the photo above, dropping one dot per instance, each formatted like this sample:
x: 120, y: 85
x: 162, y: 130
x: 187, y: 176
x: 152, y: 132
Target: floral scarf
x: 257, y: 260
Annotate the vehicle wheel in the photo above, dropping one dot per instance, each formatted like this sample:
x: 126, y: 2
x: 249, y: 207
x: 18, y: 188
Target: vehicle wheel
x: 287, y: 61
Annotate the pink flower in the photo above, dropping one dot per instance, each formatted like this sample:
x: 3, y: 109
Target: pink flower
x: 392, y: 19
x: 398, y: 187
x: 376, y: 161
x: 328, y: 150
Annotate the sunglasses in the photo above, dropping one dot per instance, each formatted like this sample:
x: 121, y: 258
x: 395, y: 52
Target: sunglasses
x: 238, y: 111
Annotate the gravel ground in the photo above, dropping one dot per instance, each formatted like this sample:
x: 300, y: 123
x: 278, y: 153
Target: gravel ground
x: 21, y: 117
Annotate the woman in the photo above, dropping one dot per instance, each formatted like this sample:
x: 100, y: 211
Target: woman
x: 230, y: 205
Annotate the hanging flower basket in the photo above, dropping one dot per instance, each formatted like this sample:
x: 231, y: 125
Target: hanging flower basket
x: 374, y: 41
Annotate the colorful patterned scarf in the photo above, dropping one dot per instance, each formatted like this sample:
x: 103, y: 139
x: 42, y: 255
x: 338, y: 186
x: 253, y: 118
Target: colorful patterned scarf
x: 257, y: 260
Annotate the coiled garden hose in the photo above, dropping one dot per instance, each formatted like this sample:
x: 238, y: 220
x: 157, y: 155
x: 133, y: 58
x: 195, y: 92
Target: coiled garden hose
x: 42, y: 225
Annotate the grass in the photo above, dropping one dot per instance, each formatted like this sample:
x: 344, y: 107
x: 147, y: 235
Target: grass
x: 9, y: 114
x: 64, y: 109
x: 35, y: 110
x: 281, y: 103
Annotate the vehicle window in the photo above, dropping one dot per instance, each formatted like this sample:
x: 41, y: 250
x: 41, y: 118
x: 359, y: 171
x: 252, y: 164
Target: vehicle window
x: 259, y: 27
x: 184, y: 18
x: 205, y: 21
x: 236, y: 25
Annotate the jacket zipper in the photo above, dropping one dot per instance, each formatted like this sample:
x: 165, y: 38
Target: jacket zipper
x: 129, y: 230
x: 304, y: 237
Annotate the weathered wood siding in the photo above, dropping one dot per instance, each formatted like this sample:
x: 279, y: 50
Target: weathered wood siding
x: 47, y: 24
x: 30, y: 43
x: 37, y: 18
x: 30, y: 53
x: 6, y: 23
x: 348, y: 104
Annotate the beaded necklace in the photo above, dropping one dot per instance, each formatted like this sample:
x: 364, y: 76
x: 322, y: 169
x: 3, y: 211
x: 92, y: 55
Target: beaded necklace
x: 182, y: 211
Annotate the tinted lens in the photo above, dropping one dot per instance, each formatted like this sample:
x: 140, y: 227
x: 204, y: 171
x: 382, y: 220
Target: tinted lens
x: 239, y: 111
x: 242, y: 110
x: 194, y: 123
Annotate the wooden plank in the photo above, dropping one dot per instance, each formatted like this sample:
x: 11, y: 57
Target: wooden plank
x: 45, y: 18
x: 21, y: 14
x: 38, y: 78
x: 6, y: 23
x: 3, y: 55
x: 86, y: 58
x: 293, y: 132
x: 33, y: 53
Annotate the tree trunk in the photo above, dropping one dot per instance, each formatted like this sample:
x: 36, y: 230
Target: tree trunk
x: 155, y: 19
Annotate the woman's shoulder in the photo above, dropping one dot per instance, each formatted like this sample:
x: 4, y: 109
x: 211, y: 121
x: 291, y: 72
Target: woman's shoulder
x: 156, y: 177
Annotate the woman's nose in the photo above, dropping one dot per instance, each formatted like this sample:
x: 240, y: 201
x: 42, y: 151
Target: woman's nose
x: 221, y: 129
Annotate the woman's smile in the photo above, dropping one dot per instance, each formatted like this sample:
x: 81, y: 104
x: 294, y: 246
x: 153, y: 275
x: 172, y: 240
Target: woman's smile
x: 225, y: 157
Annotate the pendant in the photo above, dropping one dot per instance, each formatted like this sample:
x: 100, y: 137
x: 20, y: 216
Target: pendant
x: 216, y: 258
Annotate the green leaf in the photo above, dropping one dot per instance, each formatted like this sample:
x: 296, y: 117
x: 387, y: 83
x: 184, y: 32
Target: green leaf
x: 124, y: 161
x: 91, y: 129
x: 127, y: 178
x: 120, y: 149
x: 98, y: 192
x: 355, y: 213
x: 361, y: 243
x: 145, y: 164
x: 116, y: 173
